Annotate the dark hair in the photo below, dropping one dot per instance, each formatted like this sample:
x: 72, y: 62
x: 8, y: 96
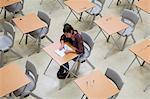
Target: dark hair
x: 68, y: 28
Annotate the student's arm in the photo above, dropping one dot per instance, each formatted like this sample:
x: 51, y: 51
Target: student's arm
x: 80, y: 45
x: 62, y: 42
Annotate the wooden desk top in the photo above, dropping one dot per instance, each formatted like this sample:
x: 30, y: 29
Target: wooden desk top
x: 142, y: 50
x: 12, y: 77
x: 96, y: 85
x: 29, y: 23
x: 4, y: 3
x: 144, y: 5
x: 79, y: 5
x: 111, y: 24
x: 50, y: 50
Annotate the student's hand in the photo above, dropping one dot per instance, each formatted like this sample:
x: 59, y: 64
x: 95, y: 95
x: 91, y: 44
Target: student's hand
x: 61, y: 47
x: 68, y: 51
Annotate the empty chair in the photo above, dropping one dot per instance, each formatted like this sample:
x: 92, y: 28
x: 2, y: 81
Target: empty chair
x: 15, y: 8
x: 88, y: 46
x: 7, y: 40
x: 27, y: 90
x: 42, y: 32
x: 114, y: 77
x: 97, y: 9
x: 131, y: 18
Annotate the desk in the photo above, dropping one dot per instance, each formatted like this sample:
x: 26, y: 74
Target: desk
x: 4, y: 3
x: 50, y: 50
x: 110, y: 25
x: 12, y: 78
x: 28, y: 23
x: 141, y: 50
x: 78, y: 6
x: 143, y: 5
x: 96, y: 85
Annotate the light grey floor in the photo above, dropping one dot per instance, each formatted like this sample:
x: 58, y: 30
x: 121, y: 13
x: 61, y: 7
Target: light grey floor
x: 135, y: 80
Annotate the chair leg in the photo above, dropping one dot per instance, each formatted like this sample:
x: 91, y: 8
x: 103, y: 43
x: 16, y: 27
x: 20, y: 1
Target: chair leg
x: 133, y: 38
x: 1, y: 62
x: 39, y: 44
x: 34, y: 95
x: 49, y: 39
x: 90, y: 64
x: 78, y: 67
x: 124, y: 43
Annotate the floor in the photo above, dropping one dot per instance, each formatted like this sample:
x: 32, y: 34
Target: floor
x: 136, y: 78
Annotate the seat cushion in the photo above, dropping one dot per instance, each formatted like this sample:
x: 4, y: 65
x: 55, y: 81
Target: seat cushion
x: 127, y: 31
x: 29, y: 87
x: 96, y: 10
x: 5, y: 43
x: 85, y: 55
x: 39, y: 32
x: 14, y: 7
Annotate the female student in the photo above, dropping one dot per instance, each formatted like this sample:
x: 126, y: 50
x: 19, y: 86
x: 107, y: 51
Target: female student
x: 75, y: 39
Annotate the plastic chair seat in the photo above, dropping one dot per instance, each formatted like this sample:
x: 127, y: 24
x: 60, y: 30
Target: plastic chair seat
x: 127, y: 31
x: 39, y: 32
x: 26, y: 88
x: 96, y: 10
x: 5, y: 43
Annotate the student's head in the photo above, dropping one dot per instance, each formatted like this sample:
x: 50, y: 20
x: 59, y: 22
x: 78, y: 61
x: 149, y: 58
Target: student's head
x: 68, y: 30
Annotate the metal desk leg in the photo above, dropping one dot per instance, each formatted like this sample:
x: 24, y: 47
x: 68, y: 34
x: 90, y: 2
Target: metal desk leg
x: 143, y: 63
x: 80, y: 16
x: 130, y: 65
x: 48, y: 66
x: 21, y: 38
x: 26, y: 39
x: 4, y: 13
x: 112, y: 46
x: 69, y: 72
x: 60, y: 3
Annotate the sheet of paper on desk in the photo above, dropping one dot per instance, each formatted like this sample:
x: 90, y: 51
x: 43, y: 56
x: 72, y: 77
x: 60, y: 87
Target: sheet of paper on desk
x: 62, y: 52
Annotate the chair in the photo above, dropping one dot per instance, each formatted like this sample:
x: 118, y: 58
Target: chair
x: 88, y: 46
x: 130, y: 18
x: 114, y: 76
x: 42, y: 32
x: 15, y: 8
x: 97, y: 9
x: 29, y: 88
x: 7, y: 40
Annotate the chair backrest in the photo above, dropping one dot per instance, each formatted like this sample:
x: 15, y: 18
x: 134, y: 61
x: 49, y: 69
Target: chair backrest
x: 101, y: 1
x: 88, y: 41
x: 44, y: 17
x: 31, y: 71
x: 9, y: 31
x: 114, y: 76
x: 131, y: 16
